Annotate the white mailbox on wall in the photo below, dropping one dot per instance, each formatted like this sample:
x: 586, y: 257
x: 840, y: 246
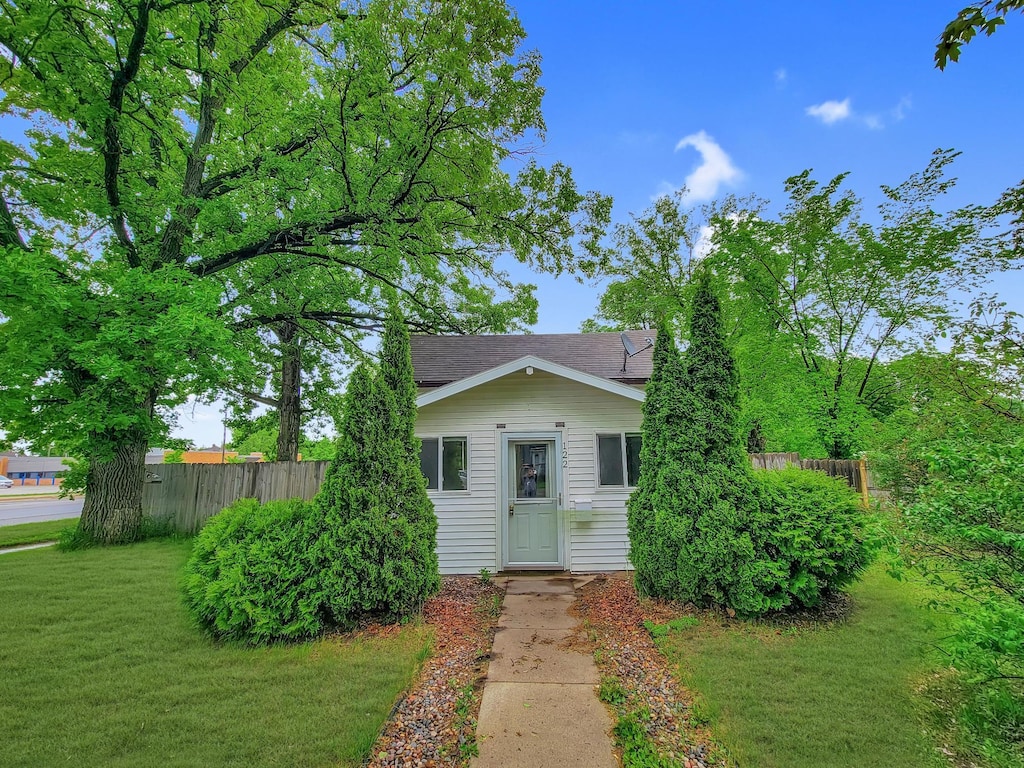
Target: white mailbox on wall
x: 582, y: 510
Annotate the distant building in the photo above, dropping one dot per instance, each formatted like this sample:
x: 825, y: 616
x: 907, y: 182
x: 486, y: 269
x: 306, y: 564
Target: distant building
x: 33, y: 470
x: 212, y: 455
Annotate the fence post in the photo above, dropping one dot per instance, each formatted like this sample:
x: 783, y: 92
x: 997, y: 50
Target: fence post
x: 862, y: 470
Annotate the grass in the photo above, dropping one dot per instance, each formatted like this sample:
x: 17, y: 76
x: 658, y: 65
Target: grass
x: 34, y: 533
x: 824, y: 697
x: 99, y: 666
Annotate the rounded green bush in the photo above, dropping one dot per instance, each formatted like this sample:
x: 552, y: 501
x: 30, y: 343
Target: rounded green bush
x: 812, y: 536
x: 252, y: 574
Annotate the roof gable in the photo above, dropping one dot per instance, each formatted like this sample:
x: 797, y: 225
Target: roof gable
x: 441, y: 360
x: 455, y: 387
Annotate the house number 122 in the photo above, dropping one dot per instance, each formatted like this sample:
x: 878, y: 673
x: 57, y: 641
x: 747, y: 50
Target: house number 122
x: 565, y: 457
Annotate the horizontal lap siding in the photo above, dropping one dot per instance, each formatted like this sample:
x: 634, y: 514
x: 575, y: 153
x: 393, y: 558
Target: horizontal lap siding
x: 467, y: 523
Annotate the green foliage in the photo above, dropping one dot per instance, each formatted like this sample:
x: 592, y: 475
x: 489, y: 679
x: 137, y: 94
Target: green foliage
x: 379, y: 536
x: 966, y: 532
x: 702, y: 528
x: 815, y: 298
x: 986, y: 17
x: 174, y: 457
x: 611, y: 691
x: 251, y: 575
x: 689, y: 518
x: 485, y: 576
x: 815, y: 536
x: 150, y: 254
x: 637, y: 749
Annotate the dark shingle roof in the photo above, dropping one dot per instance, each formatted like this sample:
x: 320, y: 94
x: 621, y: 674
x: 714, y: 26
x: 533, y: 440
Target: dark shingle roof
x: 440, y: 360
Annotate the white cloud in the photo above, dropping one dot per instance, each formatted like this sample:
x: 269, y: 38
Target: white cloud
x: 874, y: 122
x: 716, y: 167
x: 900, y: 110
x: 781, y: 75
x: 830, y: 111
x: 703, y: 247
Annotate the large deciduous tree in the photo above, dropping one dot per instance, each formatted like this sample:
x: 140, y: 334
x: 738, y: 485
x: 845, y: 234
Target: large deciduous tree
x: 181, y: 148
x: 816, y: 298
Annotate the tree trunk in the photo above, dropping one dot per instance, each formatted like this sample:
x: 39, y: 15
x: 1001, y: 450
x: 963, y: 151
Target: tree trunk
x: 112, y: 513
x: 289, y: 411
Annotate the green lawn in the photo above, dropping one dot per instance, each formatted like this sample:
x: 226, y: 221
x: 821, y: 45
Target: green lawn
x: 99, y: 666
x: 33, y: 533
x: 823, y: 697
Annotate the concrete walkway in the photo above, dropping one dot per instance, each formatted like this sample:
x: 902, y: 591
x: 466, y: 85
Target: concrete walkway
x: 540, y: 706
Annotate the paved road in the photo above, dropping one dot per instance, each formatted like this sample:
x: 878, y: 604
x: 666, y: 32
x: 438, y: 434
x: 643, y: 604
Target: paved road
x: 33, y: 510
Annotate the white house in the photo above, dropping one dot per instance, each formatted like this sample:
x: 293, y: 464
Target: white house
x: 530, y: 446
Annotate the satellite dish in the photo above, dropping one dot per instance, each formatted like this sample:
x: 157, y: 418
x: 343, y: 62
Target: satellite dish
x: 630, y: 349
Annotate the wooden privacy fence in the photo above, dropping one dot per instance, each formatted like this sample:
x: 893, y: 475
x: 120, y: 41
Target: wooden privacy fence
x: 187, y: 494
x: 854, y: 471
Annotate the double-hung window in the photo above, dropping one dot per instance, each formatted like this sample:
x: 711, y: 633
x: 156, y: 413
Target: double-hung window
x: 618, y: 460
x: 444, y: 461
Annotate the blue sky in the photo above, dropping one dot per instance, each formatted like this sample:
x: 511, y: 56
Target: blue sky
x: 767, y: 90
x: 627, y: 82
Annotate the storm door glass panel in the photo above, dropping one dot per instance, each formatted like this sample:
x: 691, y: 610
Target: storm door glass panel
x: 532, y: 463
x: 609, y: 459
x: 453, y: 463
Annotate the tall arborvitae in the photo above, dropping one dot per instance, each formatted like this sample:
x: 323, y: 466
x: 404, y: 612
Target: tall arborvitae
x: 410, y: 484
x: 640, y: 507
x: 396, y: 369
x: 714, y: 379
x: 378, y: 546
x: 689, y: 525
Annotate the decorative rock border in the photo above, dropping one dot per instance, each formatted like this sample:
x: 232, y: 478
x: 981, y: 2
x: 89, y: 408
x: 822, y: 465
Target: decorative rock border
x: 434, y: 725
x: 613, y: 623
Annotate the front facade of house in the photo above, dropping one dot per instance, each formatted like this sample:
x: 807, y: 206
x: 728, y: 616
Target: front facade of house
x: 530, y: 461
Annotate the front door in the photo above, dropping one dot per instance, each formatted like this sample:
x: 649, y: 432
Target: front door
x: 531, y: 480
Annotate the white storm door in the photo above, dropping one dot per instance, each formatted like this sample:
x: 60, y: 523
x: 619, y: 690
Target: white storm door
x: 532, y: 490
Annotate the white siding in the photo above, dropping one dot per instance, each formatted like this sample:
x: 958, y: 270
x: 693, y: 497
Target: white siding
x: 468, y: 522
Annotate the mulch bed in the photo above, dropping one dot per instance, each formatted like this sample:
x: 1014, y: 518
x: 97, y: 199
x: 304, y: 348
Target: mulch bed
x: 434, y: 725
x: 613, y: 621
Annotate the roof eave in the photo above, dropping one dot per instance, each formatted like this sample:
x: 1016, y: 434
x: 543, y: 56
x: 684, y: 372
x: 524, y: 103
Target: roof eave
x: 462, y: 385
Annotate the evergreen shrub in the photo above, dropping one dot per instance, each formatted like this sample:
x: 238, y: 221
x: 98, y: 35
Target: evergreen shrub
x: 378, y: 541
x: 364, y: 548
x: 251, y: 575
x: 703, y: 528
x: 814, y: 535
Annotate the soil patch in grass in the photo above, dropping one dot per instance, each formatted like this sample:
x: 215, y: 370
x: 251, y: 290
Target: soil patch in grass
x: 100, y: 666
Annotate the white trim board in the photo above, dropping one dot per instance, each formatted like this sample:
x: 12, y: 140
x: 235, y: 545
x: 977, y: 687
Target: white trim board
x: 614, y: 387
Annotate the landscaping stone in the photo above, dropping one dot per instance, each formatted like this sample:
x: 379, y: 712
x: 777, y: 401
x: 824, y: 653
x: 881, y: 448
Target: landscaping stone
x: 615, y: 624
x: 434, y: 725
x: 540, y: 707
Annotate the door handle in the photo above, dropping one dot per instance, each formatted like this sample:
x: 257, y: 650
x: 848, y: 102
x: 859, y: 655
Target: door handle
x: 511, y: 507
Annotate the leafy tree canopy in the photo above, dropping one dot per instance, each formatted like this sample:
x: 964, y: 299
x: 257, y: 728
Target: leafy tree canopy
x: 186, y: 155
x: 984, y: 17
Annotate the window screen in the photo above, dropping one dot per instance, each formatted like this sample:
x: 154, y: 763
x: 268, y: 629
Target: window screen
x: 429, y: 462
x: 609, y: 457
x: 632, y: 459
x: 453, y: 464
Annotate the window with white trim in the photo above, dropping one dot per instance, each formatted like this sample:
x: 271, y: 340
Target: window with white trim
x: 444, y: 461
x: 618, y: 460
